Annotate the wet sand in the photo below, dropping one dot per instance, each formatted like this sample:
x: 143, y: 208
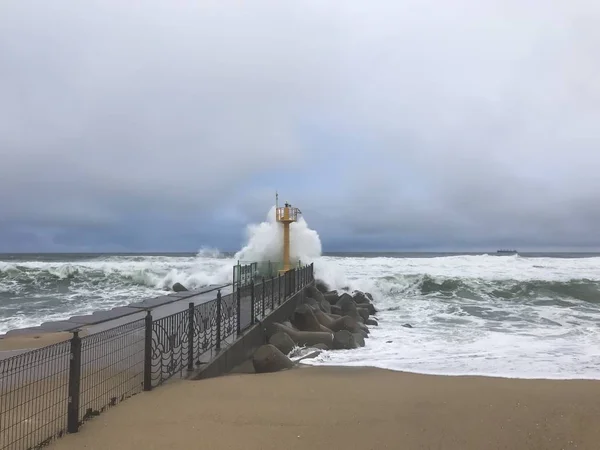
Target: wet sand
x: 350, y: 408
x: 28, y: 341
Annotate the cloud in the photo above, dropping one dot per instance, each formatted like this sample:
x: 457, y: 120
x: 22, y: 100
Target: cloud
x: 390, y: 124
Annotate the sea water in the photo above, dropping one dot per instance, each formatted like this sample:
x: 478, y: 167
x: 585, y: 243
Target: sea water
x: 525, y: 316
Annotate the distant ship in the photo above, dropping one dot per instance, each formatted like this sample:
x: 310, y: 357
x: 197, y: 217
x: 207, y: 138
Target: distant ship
x: 506, y: 252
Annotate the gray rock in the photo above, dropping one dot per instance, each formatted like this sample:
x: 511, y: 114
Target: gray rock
x: 348, y: 307
x: 362, y: 333
x: 336, y: 310
x: 268, y: 358
x: 310, y: 355
x: 311, y: 301
x: 321, y: 346
x: 321, y: 286
x: 283, y: 342
x: 308, y: 338
x: 407, y: 325
x: 368, y: 306
x: 364, y: 313
x: 344, y: 340
x: 325, y: 307
x: 331, y: 297
x: 178, y: 287
x: 359, y: 339
x: 304, y: 319
x: 371, y: 321
x: 313, y: 292
x: 360, y: 297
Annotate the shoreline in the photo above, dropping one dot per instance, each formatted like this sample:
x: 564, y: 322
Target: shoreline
x: 350, y: 407
x: 451, y: 375
x: 30, y: 341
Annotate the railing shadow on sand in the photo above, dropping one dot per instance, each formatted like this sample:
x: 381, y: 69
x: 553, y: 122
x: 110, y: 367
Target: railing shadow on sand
x: 53, y: 390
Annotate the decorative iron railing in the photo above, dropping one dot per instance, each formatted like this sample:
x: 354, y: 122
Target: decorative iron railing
x: 266, y: 269
x: 244, y: 274
x: 47, y: 392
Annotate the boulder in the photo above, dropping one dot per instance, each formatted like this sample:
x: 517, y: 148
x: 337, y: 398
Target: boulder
x: 288, y: 324
x: 321, y: 286
x: 347, y: 306
x: 313, y: 292
x: 362, y: 312
x: 309, y: 338
x: 359, y: 339
x: 407, y: 325
x: 178, y: 287
x: 336, y: 310
x: 341, y: 323
x: 321, y: 346
x: 360, y: 297
x: 310, y: 355
x: 363, y: 327
x: 311, y: 301
x: 304, y: 319
x: 362, y: 333
x: 371, y: 322
x: 331, y: 297
x: 344, y: 340
x: 369, y: 296
x: 325, y: 306
x: 368, y: 306
x: 268, y: 358
x: 283, y: 342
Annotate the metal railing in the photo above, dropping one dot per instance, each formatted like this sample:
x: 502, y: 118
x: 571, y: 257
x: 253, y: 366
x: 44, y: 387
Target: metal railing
x: 47, y: 392
x: 257, y: 270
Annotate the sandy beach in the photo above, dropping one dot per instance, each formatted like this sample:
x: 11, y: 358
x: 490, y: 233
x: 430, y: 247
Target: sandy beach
x: 30, y: 341
x: 350, y: 408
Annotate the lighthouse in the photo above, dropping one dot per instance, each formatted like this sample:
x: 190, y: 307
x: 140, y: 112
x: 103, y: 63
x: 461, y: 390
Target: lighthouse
x: 286, y: 215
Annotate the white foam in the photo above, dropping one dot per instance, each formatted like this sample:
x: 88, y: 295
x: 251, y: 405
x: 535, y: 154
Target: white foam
x: 469, y: 330
x: 265, y: 241
x: 449, y: 338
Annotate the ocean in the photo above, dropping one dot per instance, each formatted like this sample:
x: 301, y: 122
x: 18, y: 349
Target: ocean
x: 525, y: 316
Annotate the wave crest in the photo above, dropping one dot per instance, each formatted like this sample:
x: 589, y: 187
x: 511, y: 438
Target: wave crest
x: 581, y: 289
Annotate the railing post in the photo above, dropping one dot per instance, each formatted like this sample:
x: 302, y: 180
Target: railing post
x: 218, y: 346
x: 252, y: 304
x: 74, y: 384
x: 278, y: 289
x: 272, y: 293
x: 148, y: 352
x: 263, y: 297
x: 190, y: 336
x: 239, y: 311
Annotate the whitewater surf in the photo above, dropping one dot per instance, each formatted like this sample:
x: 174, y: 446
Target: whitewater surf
x: 511, y: 316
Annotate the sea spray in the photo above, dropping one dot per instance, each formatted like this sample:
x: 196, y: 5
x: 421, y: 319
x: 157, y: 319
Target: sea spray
x: 471, y: 314
x: 265, y: 243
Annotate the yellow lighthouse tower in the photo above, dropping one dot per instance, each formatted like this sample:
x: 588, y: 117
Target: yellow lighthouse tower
x: 286, y: 215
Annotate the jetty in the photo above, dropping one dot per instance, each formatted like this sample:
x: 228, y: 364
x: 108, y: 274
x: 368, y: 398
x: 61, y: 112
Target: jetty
x: 110, y: 356
x: 104, y: 358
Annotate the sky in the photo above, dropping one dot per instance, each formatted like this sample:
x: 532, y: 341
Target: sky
x: 392, y: 124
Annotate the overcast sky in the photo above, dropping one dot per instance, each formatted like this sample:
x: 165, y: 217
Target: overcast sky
x: 402, y: 124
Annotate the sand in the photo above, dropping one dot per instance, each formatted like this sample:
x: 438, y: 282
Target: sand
x: 34, y: 340
x: 350, y: 408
